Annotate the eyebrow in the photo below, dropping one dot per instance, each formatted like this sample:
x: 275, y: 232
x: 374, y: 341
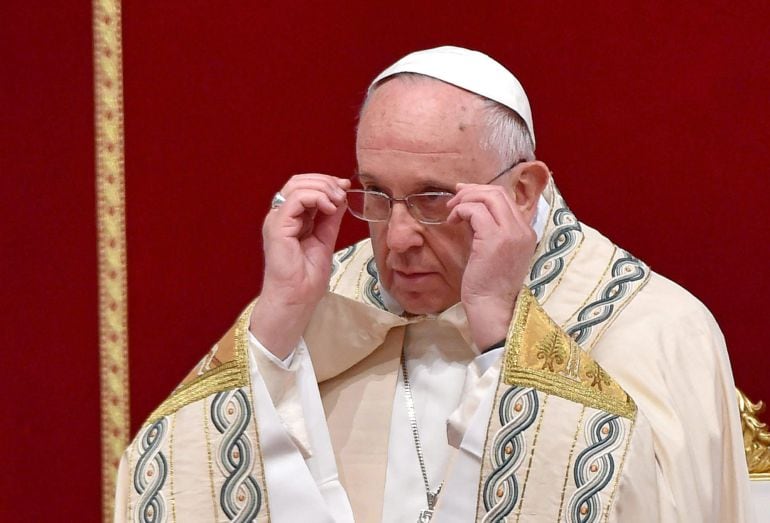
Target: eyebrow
x: 426, y: 185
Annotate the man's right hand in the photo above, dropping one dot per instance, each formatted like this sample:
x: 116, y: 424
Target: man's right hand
x: 299, y: 238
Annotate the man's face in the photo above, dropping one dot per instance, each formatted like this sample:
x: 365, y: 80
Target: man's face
x: 417, y: 136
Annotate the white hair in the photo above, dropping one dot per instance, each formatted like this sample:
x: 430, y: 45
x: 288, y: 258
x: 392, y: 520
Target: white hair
x: 506, y: 133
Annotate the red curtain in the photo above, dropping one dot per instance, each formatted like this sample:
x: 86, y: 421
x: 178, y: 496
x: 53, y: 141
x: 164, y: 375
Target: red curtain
x: 654, y: 118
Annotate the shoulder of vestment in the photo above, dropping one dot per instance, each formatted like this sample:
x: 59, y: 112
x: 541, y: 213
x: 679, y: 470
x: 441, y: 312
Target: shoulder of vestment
x: 200, y: 444
x: 225, y: 367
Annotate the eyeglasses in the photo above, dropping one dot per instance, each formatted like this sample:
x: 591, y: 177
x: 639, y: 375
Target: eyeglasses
x: 426, y: 207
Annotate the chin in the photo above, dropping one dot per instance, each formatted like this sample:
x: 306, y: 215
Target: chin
x: 422, y: 303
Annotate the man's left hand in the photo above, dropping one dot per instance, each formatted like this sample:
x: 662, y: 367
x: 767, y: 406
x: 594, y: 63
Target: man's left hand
x: 501, y: 250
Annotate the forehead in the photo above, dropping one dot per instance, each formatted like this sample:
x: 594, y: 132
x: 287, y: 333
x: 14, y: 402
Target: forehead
x: 411, y: 112
x: 423, y: 131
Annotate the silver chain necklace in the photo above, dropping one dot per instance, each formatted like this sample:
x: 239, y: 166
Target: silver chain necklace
x: 427, y: 513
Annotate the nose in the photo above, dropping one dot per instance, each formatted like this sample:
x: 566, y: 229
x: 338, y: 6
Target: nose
x: 404, y: 231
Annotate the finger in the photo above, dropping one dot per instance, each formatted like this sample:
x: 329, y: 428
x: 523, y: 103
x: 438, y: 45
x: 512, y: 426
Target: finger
x: 464, y: 189
x: 327, y: 227
x: 334, y: 193
x: 496, y: 200
x: 331, y: 185
x: 486, y: 230
x: 477, y: 215
x: 302, y: 199
x: 295, y: 217
x: 516, y: 212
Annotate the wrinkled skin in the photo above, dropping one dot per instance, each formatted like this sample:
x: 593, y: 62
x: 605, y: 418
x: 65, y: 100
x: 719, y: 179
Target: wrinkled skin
x: 413, y: 137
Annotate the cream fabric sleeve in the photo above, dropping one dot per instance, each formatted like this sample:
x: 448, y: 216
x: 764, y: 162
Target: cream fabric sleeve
x: 280, y: 379
x: 300, y: 474
x: 295, y: 439
x: 714, y: 487
x: 670, y: 355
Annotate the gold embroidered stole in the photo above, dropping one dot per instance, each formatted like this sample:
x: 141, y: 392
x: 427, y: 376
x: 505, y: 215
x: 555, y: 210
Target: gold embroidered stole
x: 198, y: 456
x: 549, y: 384
x: 559, y: 424
x: 581, y: 280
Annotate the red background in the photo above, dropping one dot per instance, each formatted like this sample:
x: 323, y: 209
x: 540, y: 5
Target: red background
x: 655, y: 120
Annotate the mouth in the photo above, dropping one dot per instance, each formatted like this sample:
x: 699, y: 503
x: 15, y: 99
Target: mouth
x: 412, y: 277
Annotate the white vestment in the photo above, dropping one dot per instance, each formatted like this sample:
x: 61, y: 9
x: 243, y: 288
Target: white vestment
x: 344, y: 450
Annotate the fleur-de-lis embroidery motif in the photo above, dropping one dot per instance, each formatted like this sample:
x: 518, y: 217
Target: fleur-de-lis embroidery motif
x: 552, y: 351
x: 600, y: 377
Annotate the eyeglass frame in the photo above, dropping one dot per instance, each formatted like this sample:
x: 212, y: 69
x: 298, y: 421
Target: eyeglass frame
x: 409, y: 206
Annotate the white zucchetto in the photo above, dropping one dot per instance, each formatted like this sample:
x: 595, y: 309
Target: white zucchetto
x: 469, y: 70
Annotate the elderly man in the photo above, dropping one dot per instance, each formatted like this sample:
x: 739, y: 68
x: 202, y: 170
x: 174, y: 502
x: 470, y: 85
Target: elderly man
x: 483, y: 356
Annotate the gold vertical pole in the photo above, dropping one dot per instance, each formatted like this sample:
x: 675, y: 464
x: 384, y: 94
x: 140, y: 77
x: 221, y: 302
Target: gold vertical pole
x: 111, y: 242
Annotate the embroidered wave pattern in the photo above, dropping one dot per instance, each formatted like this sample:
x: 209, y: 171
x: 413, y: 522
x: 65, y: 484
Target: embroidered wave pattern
x: 150, y: 474
x: 518, y: 410
x: 372, y: 289
x: 594, y: 467
x: 240, y: 497
x: 561, y: 242
x: 625, y: 271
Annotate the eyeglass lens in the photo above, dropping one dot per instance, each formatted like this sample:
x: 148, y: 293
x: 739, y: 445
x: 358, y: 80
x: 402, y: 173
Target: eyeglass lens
x: 376, y: 207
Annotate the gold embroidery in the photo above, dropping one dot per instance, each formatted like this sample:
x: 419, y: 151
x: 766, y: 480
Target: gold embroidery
x: 209, y: 461
x: 226, y: 376
x: 357, y: 295
x: 569, y: 462
x: 599, y: 377
x: 531, y: 456
x: 231, y: 374
x: 209, y: 361
x: 111, y: 241
x: 579, y: 378
x: 516, y: 330
x: 551, y: 350
x: 577, y: 392
x: 620, y: 469
x: 171, y: 467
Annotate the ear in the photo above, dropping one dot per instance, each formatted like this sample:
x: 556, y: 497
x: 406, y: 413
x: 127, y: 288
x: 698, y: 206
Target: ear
x: 528, y: 185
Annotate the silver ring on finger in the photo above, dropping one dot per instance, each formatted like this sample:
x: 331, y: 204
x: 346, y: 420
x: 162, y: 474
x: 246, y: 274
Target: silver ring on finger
x: 277, y: 200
